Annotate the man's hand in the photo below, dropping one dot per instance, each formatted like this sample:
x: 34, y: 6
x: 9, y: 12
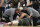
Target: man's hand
x: 27, y: 5
x: 29, y: 17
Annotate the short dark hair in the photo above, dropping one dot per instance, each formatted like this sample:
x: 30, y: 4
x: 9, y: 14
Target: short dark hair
x: 17, y: 9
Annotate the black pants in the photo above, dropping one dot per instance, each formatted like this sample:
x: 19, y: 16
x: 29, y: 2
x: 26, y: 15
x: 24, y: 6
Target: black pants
x: 6, y: 19
x: 1, y: 9
x: 35, y: 21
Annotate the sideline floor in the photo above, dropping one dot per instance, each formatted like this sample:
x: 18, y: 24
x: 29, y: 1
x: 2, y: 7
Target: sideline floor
x: 21, y: 26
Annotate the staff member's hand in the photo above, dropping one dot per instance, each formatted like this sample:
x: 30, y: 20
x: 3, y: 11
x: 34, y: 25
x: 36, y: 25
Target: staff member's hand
x: 29, y: 17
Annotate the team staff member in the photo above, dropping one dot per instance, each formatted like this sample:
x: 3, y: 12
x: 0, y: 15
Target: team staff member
x: 9, y: 13
x: 11, y: 7
x: 33, y: 13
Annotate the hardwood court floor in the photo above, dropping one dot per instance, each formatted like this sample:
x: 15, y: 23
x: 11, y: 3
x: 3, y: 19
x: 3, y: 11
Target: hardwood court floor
x: 21, y: 26
x: 17, y: 26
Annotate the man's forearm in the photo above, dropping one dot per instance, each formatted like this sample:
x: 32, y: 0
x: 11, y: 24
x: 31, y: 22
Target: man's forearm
x: 22, y: 15
x: 29, y: 4
x: 30, y: 15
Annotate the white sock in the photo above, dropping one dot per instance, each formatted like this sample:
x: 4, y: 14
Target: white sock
x: 15, y: 22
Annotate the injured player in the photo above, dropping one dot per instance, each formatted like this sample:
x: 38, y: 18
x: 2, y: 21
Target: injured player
x: 22, y: 20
